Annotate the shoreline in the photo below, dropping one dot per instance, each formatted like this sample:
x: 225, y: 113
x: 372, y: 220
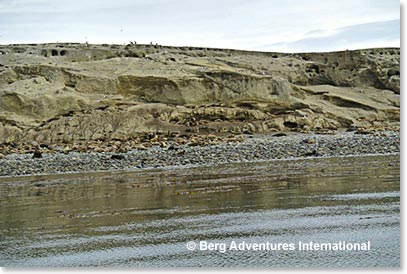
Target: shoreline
x: 254, y: 148
x: 52, y: 177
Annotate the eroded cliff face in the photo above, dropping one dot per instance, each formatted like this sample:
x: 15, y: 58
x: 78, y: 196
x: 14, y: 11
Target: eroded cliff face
x: 65, y: 93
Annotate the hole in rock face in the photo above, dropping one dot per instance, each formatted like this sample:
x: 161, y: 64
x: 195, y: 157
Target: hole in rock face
x: 63, y: 52
x: 392, y: 72
x: 54, y: 52
x: 246, y: 105
x: 312, y: 67
x: 44, y: 53
x: 289, y: 124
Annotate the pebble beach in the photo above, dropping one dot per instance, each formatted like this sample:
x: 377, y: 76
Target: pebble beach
x: 253, y: 148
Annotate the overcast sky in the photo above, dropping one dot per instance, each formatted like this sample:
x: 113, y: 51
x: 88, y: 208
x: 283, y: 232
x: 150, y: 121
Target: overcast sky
x: 268, y: 25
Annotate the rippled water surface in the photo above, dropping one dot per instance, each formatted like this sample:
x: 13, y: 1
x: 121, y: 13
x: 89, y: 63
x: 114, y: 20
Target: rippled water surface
x: 146, y: 218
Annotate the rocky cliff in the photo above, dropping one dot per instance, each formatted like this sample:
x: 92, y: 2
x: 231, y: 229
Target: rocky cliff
x: 69, y: 93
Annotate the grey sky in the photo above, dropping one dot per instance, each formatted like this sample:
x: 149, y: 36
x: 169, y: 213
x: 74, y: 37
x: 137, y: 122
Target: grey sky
x: 269, y: 25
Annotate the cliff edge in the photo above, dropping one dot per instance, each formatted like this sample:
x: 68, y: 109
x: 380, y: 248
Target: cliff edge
x: 69, y: 93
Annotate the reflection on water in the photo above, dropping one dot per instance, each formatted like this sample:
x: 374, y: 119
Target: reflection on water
x: 146, y: 218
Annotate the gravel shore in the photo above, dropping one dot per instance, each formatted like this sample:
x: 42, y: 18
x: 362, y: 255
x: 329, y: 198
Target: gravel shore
x: 253, y: 148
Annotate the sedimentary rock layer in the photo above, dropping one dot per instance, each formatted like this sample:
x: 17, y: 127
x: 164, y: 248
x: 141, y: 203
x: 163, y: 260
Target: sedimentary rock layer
x: 64, y: 93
